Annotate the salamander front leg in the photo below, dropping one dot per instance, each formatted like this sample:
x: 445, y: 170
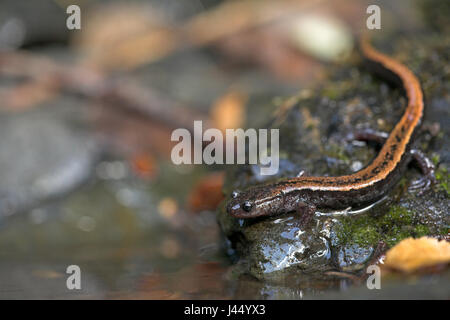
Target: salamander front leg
x: 306, y: 213
x: 427, y: 168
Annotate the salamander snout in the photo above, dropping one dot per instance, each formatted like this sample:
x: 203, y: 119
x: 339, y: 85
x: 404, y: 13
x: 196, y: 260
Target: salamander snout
x: 254, y: 202
x: 240, y: 206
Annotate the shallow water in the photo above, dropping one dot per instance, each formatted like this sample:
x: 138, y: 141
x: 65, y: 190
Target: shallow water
x: 131, y: 244
x: 131, y: 240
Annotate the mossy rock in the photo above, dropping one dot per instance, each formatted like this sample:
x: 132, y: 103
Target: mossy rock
x: 312, y: 138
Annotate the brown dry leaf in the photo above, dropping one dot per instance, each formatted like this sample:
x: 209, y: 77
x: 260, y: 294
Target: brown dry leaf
x: 125, y: 36
x: 144, y: 165
x: 228, y: 112
x: 237, y: 16
x: 207, y: 194
x: 413, y: 254
x: 141, y: 49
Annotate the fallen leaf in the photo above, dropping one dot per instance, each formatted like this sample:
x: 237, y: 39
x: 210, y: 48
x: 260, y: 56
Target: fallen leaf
x: 412, y: 254
x: 127, y: 36
x: 144, y: 165
x: 228, y: 111
x: 207, y: 194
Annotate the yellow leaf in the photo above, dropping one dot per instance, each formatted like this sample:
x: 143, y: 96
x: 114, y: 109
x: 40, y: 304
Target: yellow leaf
x: 412, y: 254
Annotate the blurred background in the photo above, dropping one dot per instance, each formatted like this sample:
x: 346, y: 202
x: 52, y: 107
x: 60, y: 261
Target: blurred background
x: 85, y: 123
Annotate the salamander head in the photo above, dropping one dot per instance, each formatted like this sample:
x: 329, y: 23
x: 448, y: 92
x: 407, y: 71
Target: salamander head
x: 254, y: 202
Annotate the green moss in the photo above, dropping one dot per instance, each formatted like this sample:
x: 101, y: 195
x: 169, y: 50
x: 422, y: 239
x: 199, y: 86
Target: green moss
x: 403, y: 182
x: 444, y: 231
x: 397, y: 216
x: 331, y: 92
x: 421, y: 231
x: 435, y: 159
x: 337, y: 152
x: 397, y: 224
x: 443, y: 177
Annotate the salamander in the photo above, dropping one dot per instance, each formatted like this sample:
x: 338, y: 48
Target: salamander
x: 305, y: 194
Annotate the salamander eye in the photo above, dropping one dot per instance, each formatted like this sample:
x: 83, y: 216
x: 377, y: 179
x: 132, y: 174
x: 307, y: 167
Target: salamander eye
x: 247, y: 206
x: 234, y: 194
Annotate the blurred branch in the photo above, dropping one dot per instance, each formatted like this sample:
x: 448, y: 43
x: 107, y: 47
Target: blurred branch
x: 120, y: 92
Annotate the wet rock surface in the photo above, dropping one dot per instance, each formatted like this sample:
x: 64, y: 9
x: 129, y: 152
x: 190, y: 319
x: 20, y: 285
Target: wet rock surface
x: 313, y: 131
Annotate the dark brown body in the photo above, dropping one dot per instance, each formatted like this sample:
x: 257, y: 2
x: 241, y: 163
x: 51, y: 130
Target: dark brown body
x: 361, y: 188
